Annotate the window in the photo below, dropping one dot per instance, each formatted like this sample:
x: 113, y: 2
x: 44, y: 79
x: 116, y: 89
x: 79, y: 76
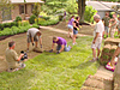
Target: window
x: 21, y: 9
x: 32, y: 7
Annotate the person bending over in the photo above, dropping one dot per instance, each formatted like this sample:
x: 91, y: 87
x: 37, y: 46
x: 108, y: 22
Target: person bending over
x: 62, y: 45
x: 34, y: 35
x: 14, y: 62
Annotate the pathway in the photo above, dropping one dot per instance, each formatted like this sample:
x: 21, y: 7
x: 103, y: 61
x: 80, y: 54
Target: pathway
x: 58, y: 30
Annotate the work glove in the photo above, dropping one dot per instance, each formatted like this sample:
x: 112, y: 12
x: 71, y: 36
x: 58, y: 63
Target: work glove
x: 51, y: 50
x: 58, y: 52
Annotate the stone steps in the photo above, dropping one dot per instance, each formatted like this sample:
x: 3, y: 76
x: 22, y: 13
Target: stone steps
x: 102, y: 80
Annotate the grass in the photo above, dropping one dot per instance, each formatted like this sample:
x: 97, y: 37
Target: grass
x: 48, y: 71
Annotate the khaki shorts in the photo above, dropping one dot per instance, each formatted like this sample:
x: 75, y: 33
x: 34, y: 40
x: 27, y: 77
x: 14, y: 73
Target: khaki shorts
x: 97, y: 43
x: 29, y: 39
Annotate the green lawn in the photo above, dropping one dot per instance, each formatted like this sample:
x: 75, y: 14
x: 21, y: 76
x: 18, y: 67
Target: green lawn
x: 48, y: 71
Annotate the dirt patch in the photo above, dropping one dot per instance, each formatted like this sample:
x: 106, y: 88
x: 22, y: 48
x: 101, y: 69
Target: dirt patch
x: 21, y: 45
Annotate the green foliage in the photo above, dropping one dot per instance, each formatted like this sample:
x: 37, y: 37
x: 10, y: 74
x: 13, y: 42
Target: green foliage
x: 104, y: 62
x: 105, y: 57
x: 15, y: 30
x: 47, y: 22
x: 32, y: 19
x: 35, y: 26
x: 36, y: 9
x: 106, y: 50
x: 18, y: 18
x: 46, y: 18
x: 112, y: 51
x: 89, y: 13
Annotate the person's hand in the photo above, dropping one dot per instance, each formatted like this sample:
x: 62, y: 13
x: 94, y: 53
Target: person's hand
x: 51, y: 50
x: 58, y: 52
x: 78, y: 29
x: 94, y: 42
x: 32, y: 44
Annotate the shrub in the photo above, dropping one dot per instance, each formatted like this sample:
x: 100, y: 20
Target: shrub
x: 25, y: 23
x: 7, y: 25
x: 35, y: 26
x: 112, y: 51
x: 14, y: 24
x: 32, y: 19
x: 89, y: 13
x: 1, y: 26
x: 18, y: 18
x: 46, y: 18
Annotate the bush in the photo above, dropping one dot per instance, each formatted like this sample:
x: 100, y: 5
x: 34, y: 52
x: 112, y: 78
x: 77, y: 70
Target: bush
x: 106, y: 50
x: 105, y: 57
x: 89, y: 13
x: 18, y: 18
x: 7, y: 25
x: 14, y: 24
x: 46, y: 18
x: 1, y: 26
x: 35, y: 26
x: 32, y: 19
x: 47, y: 22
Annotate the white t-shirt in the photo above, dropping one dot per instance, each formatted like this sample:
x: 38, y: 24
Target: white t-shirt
x: 99, y: 28
x: 119, y: 45
x: 32, y: 31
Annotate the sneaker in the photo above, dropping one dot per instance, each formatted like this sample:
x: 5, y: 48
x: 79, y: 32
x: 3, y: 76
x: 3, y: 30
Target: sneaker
x: 27, y: 50
x: 97, y: 58
x: 93, y: 60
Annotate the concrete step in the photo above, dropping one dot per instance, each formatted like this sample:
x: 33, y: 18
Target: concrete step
x: 97, y: 83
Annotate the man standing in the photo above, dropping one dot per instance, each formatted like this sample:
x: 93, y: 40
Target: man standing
x: 62, y: 45
x: 106, y: 22
x: 14, y: 62
x: 33, y: 35
x: 97, y: 41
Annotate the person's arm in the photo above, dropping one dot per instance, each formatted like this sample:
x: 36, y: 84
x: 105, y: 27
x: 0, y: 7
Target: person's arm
x: 62, y: 48
x: 114, y: 23
x: 97, y: 34
x: 53, y: 46
x: 40, y: 39
x: 15, y: 56
x: 19, y: 58
x: 117, y: 51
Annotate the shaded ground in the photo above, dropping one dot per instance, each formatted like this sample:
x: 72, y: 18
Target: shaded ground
x: 86, y: 29
x: 21, y: 45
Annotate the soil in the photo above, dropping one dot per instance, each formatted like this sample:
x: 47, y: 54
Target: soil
x: 21, y: 45
x: 20, y: 40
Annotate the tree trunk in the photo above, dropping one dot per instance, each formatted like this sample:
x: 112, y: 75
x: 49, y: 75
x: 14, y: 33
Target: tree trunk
x: 81, y: 9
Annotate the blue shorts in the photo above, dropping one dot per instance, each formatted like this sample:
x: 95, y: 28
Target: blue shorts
x: 119, y: 29
x: 75, y: 31
x: 70, y: 26
x: 107, y: 29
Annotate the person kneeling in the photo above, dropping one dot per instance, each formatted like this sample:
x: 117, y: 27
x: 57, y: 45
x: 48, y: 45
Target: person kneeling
x: 62, y: 45
x: 14, y: 62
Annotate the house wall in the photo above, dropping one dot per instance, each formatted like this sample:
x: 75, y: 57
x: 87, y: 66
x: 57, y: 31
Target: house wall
x: 101, y: 13
x: 16, y: 12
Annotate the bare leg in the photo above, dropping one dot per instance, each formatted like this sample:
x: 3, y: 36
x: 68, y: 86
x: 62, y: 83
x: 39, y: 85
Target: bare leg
x: 94, y: 53
x: 36, y: 44
x: 117, y: 51
x: 74, y: 38
x: 28, y: 44
x: 98, y: 53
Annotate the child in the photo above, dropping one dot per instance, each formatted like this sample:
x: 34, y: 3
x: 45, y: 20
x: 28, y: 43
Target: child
x: 70, y: 26
x: 75, y: 29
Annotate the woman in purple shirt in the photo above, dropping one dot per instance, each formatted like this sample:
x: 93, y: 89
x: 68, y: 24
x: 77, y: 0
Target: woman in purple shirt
x: 70, y: 27
x: 62, y: 45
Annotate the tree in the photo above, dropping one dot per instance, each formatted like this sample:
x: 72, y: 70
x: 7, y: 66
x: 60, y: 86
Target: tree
x: 5, y: 7
x: 81, y: 9
x: 36, y: 10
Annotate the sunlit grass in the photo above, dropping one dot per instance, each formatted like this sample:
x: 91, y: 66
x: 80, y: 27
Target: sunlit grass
x: 48, y: 71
